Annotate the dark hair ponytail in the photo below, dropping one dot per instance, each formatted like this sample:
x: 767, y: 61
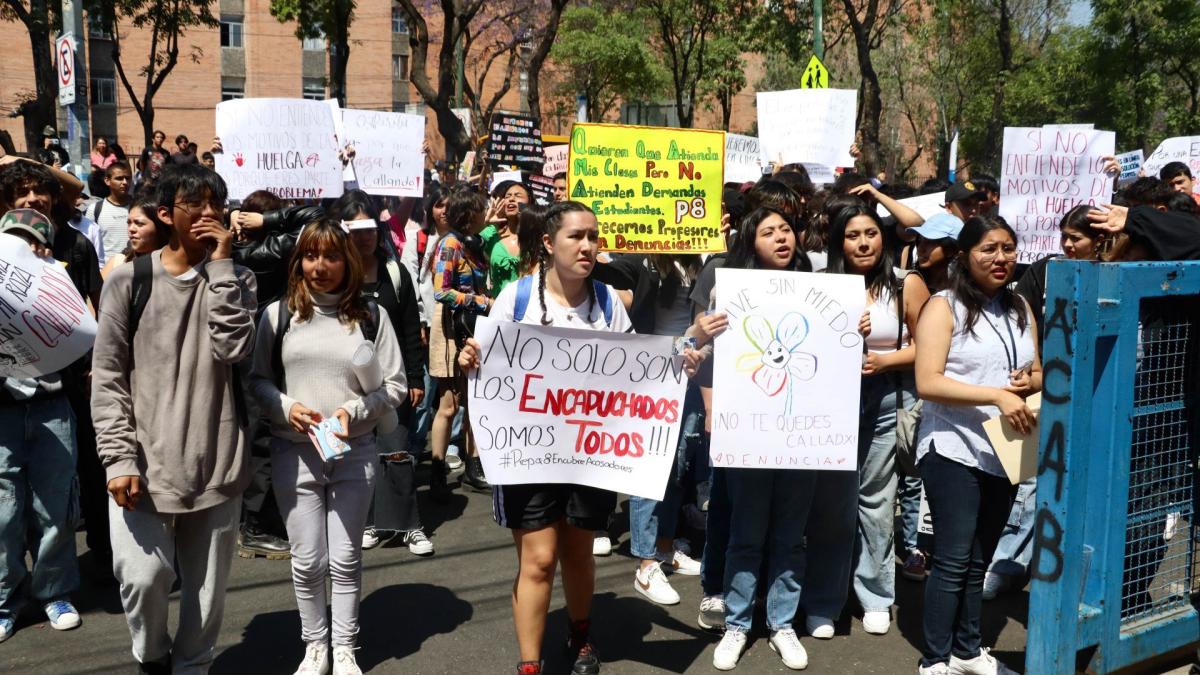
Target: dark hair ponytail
x: 963, y: 286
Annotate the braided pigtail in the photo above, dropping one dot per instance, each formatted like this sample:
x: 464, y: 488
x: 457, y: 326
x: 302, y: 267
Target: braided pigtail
x: 542, y: 286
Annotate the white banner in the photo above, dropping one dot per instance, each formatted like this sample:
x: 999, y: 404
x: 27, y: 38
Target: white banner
x: 743, y: 159
x: 1184, y: 149
x: 786, y: 373
x: 285, y: 145
x: 561, y: 405
x: 556, y: 159
x: 388, y: 159
x: 812, y: 126
x: 1045, y: 173
x: 924, y: 205
x: 44, y: 323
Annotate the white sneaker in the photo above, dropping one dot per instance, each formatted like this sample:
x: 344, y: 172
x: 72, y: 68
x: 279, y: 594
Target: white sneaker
x: 682, y: 563
x: 712, y: 612
x: 370, y: 538
x: 316, y: 659
x: 993, y: 585
x: 453, y: 462
x: 652, y: 583
x: 62, y: 615
x: 1171, y: 526
x: 343, y: 661
x: 601, y: 545
x: 935, y: 669
x: 819, y: 627
x: 729, y: 650
x: 984, y: 664
x: 877, y: 623
x: 787, y: 646
x: 418, y: 543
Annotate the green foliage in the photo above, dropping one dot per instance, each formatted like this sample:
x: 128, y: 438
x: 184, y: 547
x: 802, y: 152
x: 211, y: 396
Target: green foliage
x: 313, y: 18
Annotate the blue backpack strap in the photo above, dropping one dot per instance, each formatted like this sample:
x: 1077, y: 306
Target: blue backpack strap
x: 524, y: 289
x: 605, y: 301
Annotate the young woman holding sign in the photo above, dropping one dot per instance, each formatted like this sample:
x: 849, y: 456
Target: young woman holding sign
x: 976, y: 359
x: 553, y: 523
x: 841, y: 550
x: 303, y: 374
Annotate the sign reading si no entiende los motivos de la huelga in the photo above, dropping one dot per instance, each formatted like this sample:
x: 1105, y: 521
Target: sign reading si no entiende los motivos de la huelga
x: 561, y: 405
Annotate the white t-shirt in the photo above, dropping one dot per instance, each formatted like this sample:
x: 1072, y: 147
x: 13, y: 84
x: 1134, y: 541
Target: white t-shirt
x: 91, y: 230
x: 114, y: 227
x: 561, y: 316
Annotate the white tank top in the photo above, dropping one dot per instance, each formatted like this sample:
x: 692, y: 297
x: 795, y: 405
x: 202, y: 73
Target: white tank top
x: 985, y: 359
x: 885, y: 322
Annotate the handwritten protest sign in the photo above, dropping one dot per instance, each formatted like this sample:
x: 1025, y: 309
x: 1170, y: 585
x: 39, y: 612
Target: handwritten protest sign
x: 1045, y: 173
x: 653, y: 189
x: 561, y: 405
x: 1131, y: 164
x: 924, y: 205
x: 542, y: 188
x: 1184, y: 149
x: 556, y: 159
x: 515, y: 140
x: 44, y: 324
x: 743, y: 158
x: 812, y: 126
x: 288, y: 146
x: 339, y: 132
x: 786, y: 372
x: 388, y: 159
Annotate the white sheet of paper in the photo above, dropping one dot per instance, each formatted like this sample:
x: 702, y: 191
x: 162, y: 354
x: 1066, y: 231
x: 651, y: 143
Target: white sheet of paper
x: 388, y: 159
x: 743, y: 158
x: 924, y: 205
x: 811, y: 126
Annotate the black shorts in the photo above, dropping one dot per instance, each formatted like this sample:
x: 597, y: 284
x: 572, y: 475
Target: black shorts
x: 536, y: 505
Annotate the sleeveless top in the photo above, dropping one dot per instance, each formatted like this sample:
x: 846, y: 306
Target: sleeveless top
x: 984, y: 359
x: 885, y: 322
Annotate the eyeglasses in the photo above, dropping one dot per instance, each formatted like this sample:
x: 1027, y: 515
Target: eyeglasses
x: 1005, y: 253
x: 194, y: 209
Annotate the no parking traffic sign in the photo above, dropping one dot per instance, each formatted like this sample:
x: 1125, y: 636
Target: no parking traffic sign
x: 64, y: 48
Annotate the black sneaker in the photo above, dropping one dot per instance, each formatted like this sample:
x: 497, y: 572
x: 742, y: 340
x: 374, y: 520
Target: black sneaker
x: 584, y: 659
x: 473, y: 476
x: 439, y: 492
x: 254, y: 543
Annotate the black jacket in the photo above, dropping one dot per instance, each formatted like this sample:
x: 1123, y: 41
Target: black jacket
x: 1166, y: 236
x: 401, y: 306
x: 268, y: 257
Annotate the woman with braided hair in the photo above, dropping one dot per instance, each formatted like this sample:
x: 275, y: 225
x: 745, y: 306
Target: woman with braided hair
x: 553, y: 523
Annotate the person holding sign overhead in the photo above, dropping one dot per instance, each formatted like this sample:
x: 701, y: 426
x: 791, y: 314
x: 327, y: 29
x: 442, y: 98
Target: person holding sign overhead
x: 553, y: 523
x: 976, y: 359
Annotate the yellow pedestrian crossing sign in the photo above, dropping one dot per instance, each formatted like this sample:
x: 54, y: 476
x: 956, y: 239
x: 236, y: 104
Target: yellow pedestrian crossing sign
x: 816, y: 76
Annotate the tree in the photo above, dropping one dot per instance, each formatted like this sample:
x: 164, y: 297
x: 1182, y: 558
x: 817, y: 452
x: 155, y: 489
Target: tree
x: 726, y: 75
x: 537, y: 57
x: 330, y: 19
x: 682, y: 30
x: 35, y: 107
x: 606, y: 59
x: 166, y: 21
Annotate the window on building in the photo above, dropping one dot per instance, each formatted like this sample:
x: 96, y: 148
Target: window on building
x: 231, y: 33
x: 232, y: 87
x: 96, y: 27
x: 314, y: 89
x: 414, y: 108
x: 399, y: 22
x: 400, y: 67
x: 104, y: 90
x: 315, y: 44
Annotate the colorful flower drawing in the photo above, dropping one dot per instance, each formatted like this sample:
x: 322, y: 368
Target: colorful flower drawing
x: 777, y: 364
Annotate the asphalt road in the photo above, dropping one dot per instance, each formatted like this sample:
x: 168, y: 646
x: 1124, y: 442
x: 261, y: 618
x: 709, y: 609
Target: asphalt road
x: 450, y: 613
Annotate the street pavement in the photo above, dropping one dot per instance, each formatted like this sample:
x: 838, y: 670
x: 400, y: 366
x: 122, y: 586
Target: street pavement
x: 450, y: 613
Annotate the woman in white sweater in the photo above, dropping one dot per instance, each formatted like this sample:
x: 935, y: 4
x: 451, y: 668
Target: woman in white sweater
x: 304, y: 374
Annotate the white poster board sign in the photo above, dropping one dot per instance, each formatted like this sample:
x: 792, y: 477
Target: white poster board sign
x: 556, y: 159
x: 743, y: 158
x: 924, y: 205
x: 1184, y: 149
x: 284, y: 145
x: 44, y: 323
x: 561, y: 405
x: 811, y: 126
x: 1131, y: 165
x: 786, y: 373
x: 1046, y: 172
x: 388, y: 159
x: 499, y: 177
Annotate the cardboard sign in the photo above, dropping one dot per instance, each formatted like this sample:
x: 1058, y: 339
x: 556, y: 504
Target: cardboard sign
x: 1131, y: 164
x: 45, y: 325
x: 1184, y: 149
x: 811, y: 126
x: 743, y: 158
x: 515, y: 140
x: 560, y: 405
x: 556, y: 159
x: 653, y: 189
x: 1017, y: 452
x: 388, y: 159
x: 924, y: 205
x: 284, y: 145
x: 1045, y: 173
x: 786, y: 373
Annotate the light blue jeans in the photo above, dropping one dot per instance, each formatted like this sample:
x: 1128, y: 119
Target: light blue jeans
x: 39, y: 501
x: 770, y: 509
x: 650, y: 520
x: 1015, y: 549
x: 852, y: 526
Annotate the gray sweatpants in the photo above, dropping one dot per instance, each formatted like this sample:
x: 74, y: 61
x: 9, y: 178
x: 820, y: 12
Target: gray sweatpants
x: 325, y: 507
x: 147, y: 547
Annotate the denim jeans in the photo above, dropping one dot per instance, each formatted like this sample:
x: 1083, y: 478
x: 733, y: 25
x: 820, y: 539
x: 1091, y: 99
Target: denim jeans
x: 648, y: 519
x: 969, y: 510
x: 716, y: 534
x: 771, y: 507
x: 39, y: 501
x: 910, y: 512
x: 1015, y: 549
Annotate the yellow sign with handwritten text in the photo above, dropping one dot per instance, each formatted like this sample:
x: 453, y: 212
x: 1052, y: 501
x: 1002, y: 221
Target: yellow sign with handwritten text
x: 654, y: 189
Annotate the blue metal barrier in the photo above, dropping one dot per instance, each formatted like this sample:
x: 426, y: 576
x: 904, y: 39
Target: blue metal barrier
x: 1113, y: 566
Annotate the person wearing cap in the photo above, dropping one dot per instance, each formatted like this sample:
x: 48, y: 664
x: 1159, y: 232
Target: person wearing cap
x: 965, y: 199
x: 38, y: 495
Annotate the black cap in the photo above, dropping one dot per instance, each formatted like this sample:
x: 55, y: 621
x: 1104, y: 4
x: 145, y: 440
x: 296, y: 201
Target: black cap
x: 961, y: 191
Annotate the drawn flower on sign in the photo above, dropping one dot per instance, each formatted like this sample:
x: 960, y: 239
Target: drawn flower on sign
x: 776, y: 365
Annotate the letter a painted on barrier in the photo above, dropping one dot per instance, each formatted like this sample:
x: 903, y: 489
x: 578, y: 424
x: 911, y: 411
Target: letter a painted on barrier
x: 816, y: 75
